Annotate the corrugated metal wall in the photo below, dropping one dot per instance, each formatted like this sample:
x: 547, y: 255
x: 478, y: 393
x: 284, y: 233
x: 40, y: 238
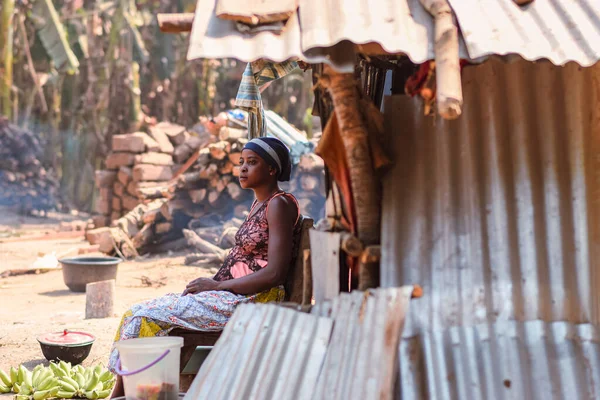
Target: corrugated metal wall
x: 496, y: 215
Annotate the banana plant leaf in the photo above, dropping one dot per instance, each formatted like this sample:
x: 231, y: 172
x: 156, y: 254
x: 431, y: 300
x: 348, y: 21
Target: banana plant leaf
x: 51, y: 33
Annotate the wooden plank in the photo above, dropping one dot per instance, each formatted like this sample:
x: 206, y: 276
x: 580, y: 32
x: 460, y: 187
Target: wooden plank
x: 175, y: 23
x: 325, y: 252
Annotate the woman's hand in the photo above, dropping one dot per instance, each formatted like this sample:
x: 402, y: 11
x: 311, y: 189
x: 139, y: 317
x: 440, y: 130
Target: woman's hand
x: 200, y: 285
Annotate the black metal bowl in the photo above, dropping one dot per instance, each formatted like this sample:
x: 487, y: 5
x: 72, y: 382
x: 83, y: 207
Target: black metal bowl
x: 73, y: 353
x: 79, y: 271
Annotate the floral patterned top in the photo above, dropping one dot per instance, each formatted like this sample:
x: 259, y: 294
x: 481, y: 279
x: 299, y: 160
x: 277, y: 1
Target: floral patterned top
x: 252, y: 242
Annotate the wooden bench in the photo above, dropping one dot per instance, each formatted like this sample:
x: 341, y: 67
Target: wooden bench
x: 298, y: 287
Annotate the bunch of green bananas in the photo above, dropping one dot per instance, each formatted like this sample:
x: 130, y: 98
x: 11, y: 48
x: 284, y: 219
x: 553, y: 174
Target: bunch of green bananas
x: 60, y: 380
x: 91, y: 383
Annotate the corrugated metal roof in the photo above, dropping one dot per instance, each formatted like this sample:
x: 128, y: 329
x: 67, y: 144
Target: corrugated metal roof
x: 559, y: 30
x: 322, y: 31
x: 496, y: 215
x: 265, y: 352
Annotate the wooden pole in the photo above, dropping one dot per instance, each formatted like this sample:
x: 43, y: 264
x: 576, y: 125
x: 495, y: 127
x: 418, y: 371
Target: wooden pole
x: 100, y: 299
x: 175, y: 23
x: 6, y: 57
x: 449, y: 96
x: 364, y: 183
x: 368, y: 271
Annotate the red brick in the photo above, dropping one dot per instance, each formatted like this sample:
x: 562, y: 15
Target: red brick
x: 145, y: 172
x: 154, y: 159
x: 118, y: 160
x: 105, y: 179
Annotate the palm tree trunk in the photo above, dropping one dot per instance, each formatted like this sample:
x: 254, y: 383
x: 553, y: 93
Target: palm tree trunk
x: 363, y: 181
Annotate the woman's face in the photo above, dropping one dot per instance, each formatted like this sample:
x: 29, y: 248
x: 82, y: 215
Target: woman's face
x: 254, y: 171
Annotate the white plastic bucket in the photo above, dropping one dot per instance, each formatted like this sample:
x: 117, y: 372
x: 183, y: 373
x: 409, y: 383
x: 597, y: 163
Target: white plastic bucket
x: 150, y: 367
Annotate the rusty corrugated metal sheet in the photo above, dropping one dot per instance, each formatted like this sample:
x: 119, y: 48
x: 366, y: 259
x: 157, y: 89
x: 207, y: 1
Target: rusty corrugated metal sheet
x: 508, y: 360
x: 321, y: 31
x: 559, y: 30
x: 496, y: 215
x: 265, y: 352
x: 362, y: 356
x: 344, y: 349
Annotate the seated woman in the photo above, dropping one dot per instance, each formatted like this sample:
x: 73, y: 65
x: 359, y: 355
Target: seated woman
x: 254, y: 270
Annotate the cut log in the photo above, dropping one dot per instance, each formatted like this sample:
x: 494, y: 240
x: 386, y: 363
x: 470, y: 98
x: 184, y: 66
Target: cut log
x: 154, y: 159
x: 143, y: 237
x: 369, y: 268
x: 232, y: 134
x: 309, y: 183
x: 219, y: 150
x: 235, y: 158
x: 171, y: 206
x: 175, y: 23
x: 100, y: 299
x: 204, y: 246
x: 213, y: 197
x: 236, y: 171
x: 129, y: 202
x: 209, y: 171
x: 94, y: 236
x: 235, y: 191
x: 351, y: 245
x: 118, y: 160
x: 226, y: 168
x: 162, y: 139
x: 119, y: 189
x: 182, y: 153
x: 163, y: 227
x: 240, y: 211
x: 125, y: 175
x: 222, y: 183
x: 156, y: 191
x: 116, y: 203
x: 151, y: 215
x: 198, y: 195
x: 105, y: 178
x: 189, y: 180
x: 203, y: 157
x: 146, y: 172
x: 176, y: 133
x: 227, y: 239
x: 205, y: 260
x: 311, y: 163
x: 449, y: 97
x: 129, y: 224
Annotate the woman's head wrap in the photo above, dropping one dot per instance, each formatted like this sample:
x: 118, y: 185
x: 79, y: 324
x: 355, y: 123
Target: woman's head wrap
x: 275, y: 153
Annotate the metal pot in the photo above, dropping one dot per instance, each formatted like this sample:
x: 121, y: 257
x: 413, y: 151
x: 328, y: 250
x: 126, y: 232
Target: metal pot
x: 74, y: 351
x: 79, y: 271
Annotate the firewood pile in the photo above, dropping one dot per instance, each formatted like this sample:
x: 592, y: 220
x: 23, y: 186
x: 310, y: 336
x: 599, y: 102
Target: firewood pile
x: 171, y: 188
x: 23, y: 179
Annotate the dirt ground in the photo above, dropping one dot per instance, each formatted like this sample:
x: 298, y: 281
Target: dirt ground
x: 31, y: 305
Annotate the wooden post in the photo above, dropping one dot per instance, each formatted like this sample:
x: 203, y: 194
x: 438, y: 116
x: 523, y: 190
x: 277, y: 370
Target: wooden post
x: 175, y: 23
x: 368, y: 271
x: 307, y: 290
x: 365, y: 188
x: 449, y: 96
x: 100, y: 299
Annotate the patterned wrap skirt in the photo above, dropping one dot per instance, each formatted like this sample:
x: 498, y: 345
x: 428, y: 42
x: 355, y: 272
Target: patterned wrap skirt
x: 204, y: 312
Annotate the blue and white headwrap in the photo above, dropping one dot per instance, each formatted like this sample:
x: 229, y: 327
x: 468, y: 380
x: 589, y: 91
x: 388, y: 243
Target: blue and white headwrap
x: 275, y: 153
